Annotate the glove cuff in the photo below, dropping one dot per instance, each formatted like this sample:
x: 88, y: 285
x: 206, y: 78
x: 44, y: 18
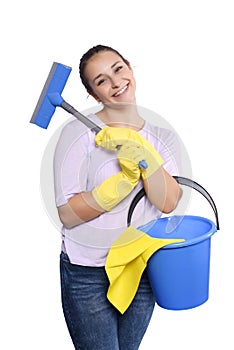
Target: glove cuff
x: 113, y: 190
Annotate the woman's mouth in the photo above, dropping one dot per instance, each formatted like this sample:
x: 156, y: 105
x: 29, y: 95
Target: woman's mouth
x: 120, y: 92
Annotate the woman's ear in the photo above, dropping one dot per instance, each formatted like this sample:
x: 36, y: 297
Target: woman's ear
x: 91, y: 93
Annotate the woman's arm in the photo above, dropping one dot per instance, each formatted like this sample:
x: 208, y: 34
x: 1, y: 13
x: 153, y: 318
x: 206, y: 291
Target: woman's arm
x: 162, y: 190
x: 88, y: 205
x: 80, y: 208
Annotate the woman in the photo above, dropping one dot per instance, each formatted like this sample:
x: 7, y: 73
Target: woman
x: 94, y: 187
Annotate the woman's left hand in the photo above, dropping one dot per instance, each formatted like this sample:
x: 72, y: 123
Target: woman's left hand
x: 111, y: 138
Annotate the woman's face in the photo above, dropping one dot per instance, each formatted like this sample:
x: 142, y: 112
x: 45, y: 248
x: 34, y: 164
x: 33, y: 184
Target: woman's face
x: 110, y: 78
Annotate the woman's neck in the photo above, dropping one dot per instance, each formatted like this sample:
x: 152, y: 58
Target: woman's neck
x: 122, y: 116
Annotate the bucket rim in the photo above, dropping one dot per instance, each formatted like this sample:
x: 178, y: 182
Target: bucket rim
x: 189, y: 242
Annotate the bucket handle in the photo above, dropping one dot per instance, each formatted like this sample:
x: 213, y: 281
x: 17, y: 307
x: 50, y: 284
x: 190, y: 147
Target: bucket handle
x: 182, y: 181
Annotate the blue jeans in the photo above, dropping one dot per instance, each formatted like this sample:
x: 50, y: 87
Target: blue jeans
x: 92, y: 321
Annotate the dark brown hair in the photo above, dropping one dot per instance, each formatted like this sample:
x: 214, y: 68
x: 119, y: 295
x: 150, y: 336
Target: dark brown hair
x: 86, y: 57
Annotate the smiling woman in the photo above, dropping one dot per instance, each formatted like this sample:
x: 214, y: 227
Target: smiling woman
x: 94, y: 187
x: 110, y: 82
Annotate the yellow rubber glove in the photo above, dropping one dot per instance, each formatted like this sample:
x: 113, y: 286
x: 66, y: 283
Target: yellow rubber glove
x: 126, y: 262
x: 110, y: 138
x: 114, y: 189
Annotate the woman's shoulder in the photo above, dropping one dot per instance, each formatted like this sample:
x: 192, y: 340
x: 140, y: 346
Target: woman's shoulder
x: 159, y: 132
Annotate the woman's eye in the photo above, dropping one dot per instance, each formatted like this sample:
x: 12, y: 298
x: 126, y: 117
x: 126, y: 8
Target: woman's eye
x: 100, y: 82
x: 118, y: 69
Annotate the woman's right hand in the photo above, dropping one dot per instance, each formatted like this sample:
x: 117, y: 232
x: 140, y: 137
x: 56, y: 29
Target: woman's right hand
x: 116, y: 138
x: 129, y: 156
x: 117, y: 187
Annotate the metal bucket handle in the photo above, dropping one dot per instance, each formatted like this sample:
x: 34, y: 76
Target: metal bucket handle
x: 182, y: 181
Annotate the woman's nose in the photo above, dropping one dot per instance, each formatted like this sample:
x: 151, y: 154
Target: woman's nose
x: 115, y: 82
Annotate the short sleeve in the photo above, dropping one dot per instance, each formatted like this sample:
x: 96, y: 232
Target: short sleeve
x: 71, y: 161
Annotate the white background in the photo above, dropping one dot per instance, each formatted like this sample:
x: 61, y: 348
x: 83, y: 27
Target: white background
x: 182, y: 53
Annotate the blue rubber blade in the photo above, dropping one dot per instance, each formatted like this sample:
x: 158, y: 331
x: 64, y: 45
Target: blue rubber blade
x: 54, y: 85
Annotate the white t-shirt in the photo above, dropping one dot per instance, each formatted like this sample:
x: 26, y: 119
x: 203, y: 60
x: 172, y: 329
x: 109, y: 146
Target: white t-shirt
x: 80, y: 166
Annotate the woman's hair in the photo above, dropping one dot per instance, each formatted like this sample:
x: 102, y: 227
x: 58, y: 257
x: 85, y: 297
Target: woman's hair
x: 86, y: 57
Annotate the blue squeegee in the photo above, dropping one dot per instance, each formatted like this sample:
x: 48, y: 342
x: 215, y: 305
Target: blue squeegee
x: 51, y: 98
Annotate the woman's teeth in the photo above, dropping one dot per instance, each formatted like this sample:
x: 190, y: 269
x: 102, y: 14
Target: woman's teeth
x: 121, y: 91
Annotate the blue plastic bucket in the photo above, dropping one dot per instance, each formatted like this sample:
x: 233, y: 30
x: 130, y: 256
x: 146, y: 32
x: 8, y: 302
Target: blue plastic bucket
x: 179, y: 272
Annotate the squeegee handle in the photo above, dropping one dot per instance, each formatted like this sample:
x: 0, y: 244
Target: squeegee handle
x: 94, y: 127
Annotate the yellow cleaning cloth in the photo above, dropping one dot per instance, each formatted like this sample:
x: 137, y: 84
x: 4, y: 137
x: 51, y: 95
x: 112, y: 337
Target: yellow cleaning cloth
x: 126, y: 262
